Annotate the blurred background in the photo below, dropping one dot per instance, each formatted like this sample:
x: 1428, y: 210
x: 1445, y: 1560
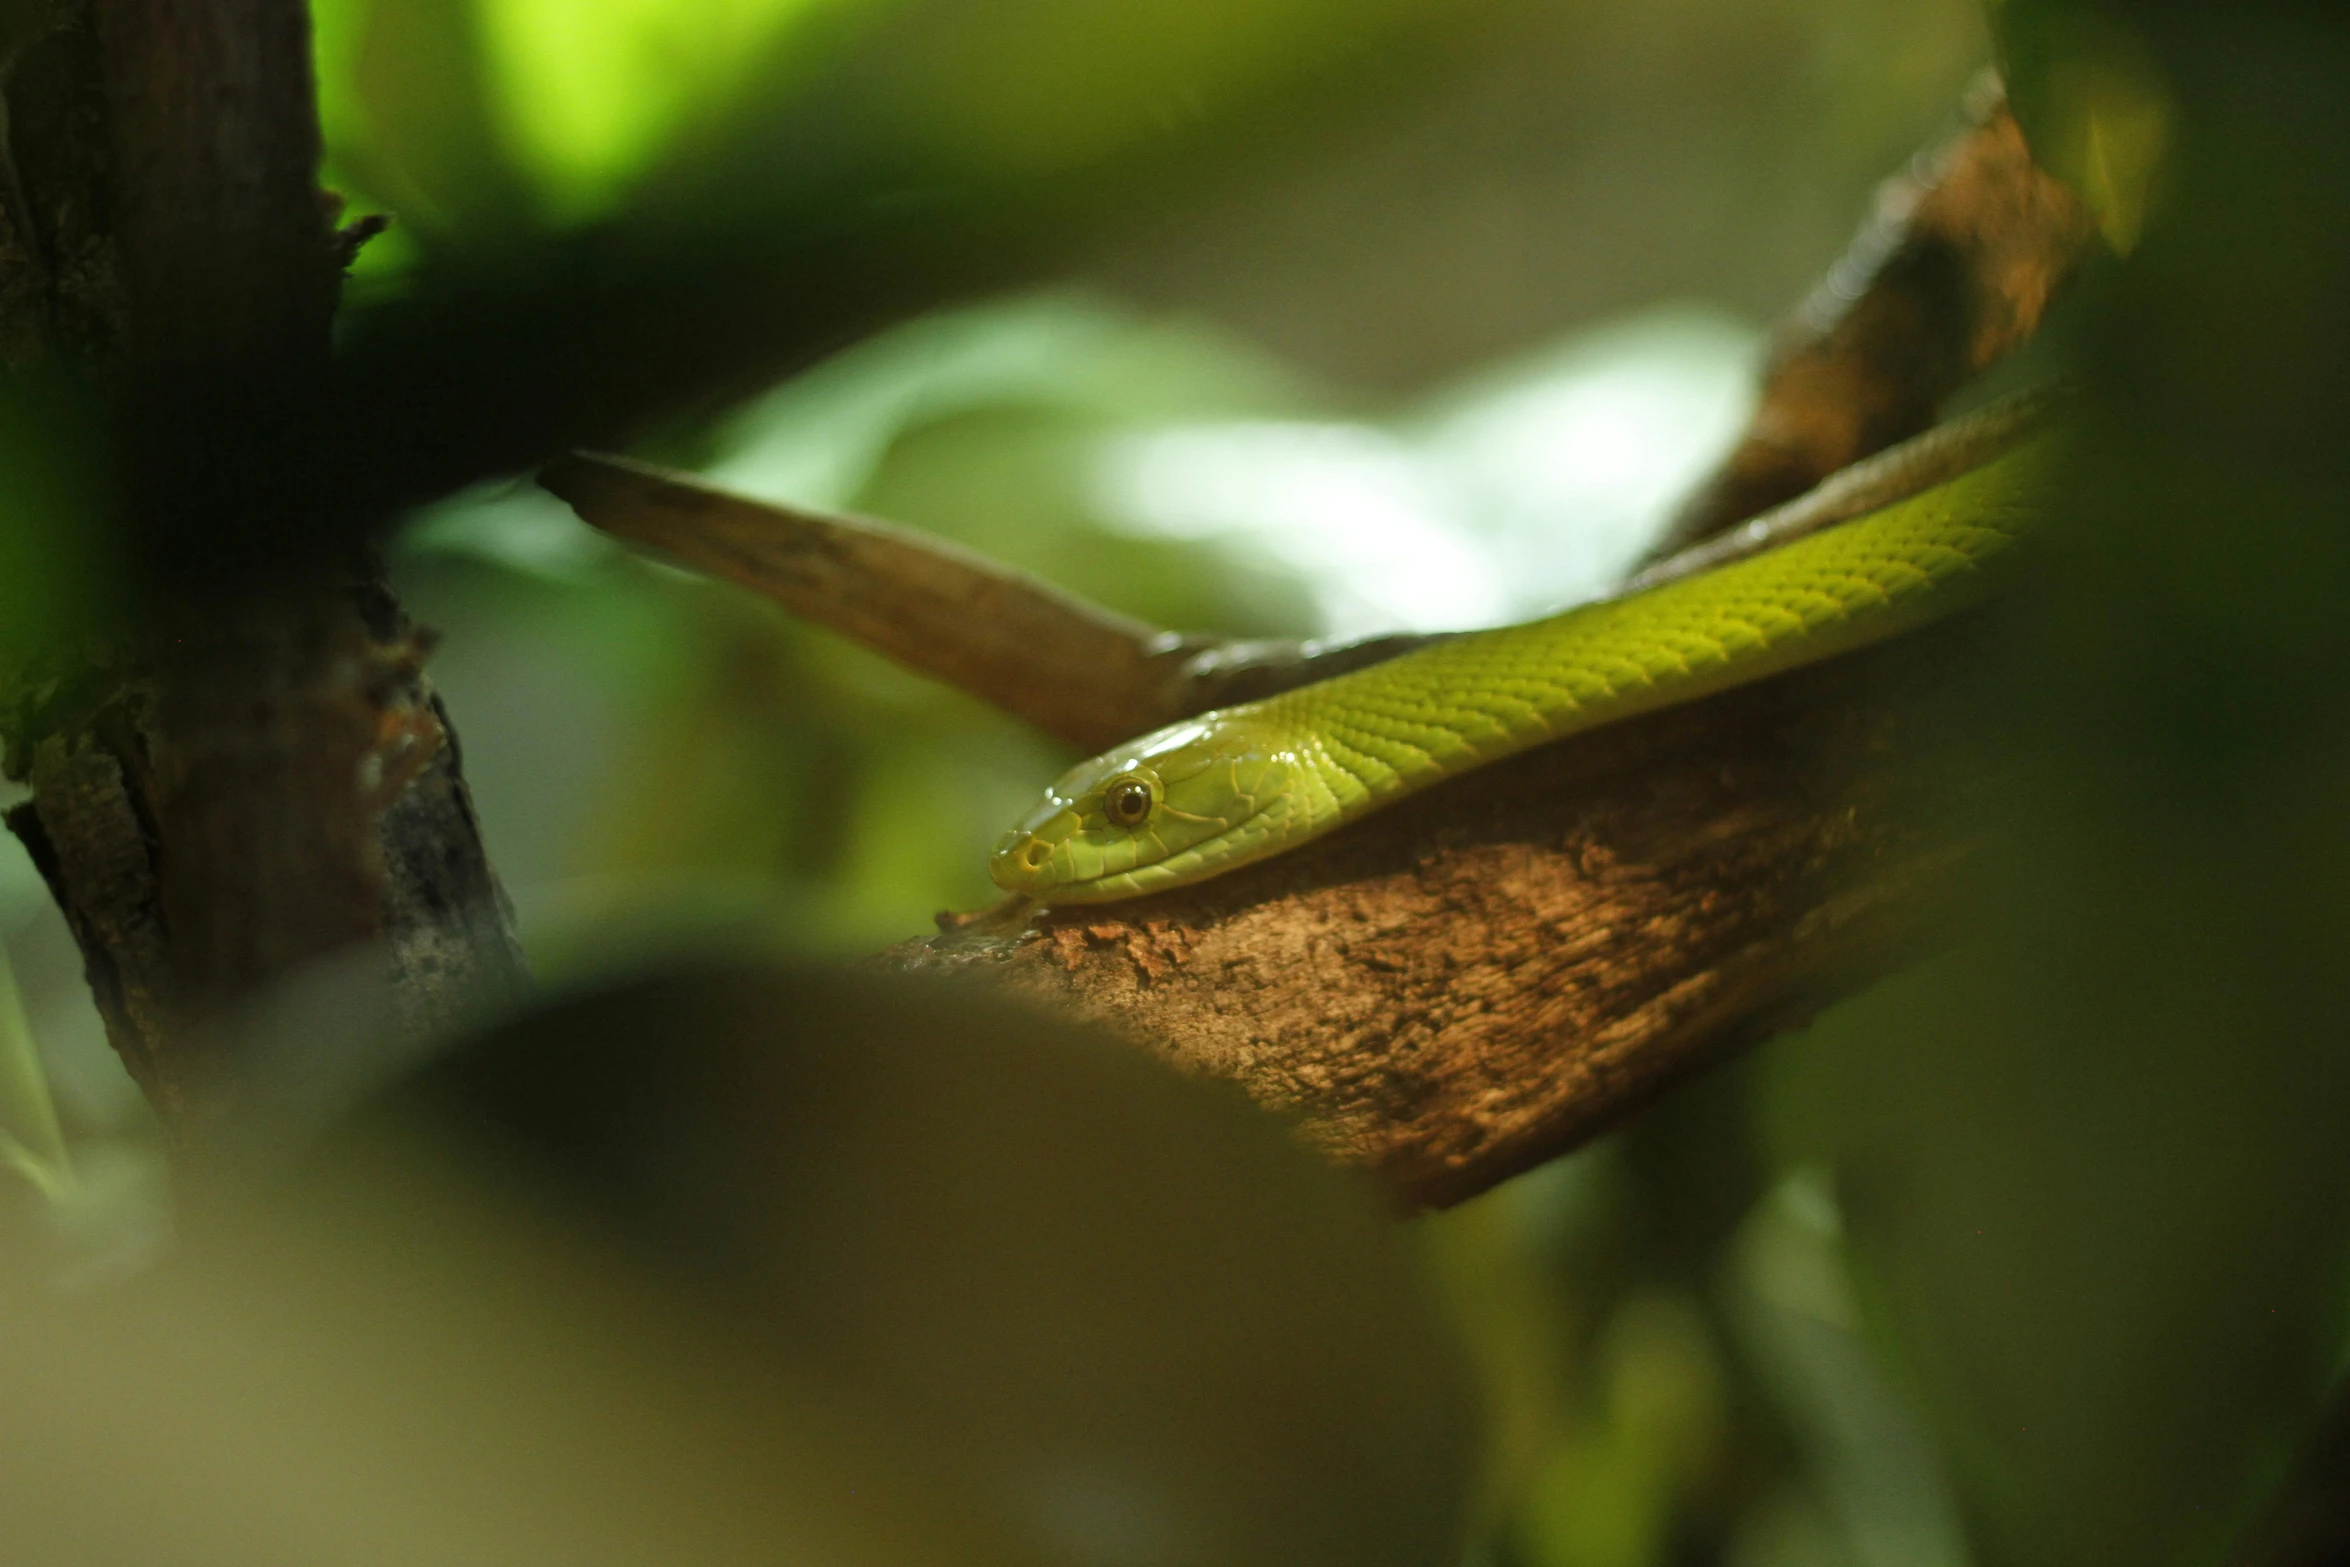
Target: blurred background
x: 1330, y: 317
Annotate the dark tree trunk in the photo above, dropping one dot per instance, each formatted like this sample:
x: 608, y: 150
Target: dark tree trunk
x: 252, y: 773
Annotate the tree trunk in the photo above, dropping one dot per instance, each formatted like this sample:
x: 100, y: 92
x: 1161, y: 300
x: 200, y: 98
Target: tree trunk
x: 251, y: 772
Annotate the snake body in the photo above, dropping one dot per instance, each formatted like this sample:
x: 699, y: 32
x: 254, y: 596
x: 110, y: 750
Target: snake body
x: 1235, y: 785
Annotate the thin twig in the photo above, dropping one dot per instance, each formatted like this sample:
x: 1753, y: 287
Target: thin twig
x: 1077, y: 671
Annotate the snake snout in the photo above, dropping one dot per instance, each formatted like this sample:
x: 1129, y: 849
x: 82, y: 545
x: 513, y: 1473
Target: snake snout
x: 1019, y: 861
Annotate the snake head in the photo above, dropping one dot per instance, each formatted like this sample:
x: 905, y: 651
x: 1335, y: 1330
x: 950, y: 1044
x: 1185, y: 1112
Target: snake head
x: 1174, y: 806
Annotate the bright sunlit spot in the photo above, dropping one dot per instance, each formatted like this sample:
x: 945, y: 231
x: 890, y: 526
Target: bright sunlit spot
x: 1365, y: 518
x: 1531, y: 489
x: 589, y: 95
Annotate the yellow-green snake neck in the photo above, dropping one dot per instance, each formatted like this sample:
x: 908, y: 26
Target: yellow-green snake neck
x: 1232, y: 786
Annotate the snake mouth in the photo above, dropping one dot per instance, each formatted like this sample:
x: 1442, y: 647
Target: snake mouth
x: 1027, y: 864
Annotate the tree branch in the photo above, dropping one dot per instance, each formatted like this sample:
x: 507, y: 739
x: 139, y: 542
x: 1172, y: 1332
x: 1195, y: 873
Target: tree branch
x: 1476, y: 980
x: 1950, y: 274
x: 1077, y: 671
x: 1483, y: 976
x: 1494, y: 971
x: 1074, y: 670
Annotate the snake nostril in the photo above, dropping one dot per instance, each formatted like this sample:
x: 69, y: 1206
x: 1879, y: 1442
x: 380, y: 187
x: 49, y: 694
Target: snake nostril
x: 1035, y: 855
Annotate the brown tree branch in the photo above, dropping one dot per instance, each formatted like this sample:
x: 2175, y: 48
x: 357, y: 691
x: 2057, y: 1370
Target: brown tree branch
x: 1490, y: 973
x: 1473, y: 982
x: 1468, y: 984
x: 1950, y: 274
x: 1077, y: 671
x: 1074, y: 670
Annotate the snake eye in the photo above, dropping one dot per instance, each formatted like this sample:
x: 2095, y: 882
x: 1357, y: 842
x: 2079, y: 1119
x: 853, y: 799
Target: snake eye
x: 1126, y: 802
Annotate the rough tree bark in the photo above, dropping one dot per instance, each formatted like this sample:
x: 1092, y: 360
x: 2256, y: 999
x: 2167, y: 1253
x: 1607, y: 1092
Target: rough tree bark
x: 1499, y: 969
x: 252, y: 772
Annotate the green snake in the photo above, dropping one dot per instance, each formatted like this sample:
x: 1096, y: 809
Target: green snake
x: 1232, y: 786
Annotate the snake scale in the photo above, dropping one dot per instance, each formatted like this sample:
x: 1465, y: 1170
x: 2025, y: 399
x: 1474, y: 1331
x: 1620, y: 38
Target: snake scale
x: 1235, y: 785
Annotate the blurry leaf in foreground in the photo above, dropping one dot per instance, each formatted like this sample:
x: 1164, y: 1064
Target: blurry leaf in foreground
x: 2104, y: 1243
x: 400, y: 1365
x: 1085, y: 1307
x: 2091, y: 1160
x: 739, y: 1266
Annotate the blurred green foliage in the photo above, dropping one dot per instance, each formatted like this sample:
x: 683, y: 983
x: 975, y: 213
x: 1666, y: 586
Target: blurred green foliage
x: 2091, y: 1162
x: 587, y: 97
x: 451, y: 110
